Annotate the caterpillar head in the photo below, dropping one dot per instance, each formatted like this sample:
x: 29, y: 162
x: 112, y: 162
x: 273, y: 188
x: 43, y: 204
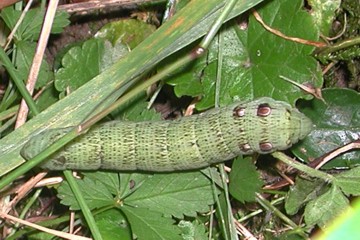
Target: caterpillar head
x: 270, y: 125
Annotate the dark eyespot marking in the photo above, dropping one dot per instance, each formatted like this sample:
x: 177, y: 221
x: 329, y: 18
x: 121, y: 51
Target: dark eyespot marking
x: 239, y: 112
x: 245, y: 148
x: 263, y: 110
x: 265, y: 146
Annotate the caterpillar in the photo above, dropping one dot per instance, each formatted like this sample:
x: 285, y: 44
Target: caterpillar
x: 262, y: 126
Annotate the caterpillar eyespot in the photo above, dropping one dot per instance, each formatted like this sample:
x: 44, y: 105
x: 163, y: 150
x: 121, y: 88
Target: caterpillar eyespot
x: 263, y: 126
x: 264, y: 110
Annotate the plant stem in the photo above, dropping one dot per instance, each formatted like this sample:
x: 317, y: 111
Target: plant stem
x: 4, y: 59
x: 253, y: 214
x: 303, y: 168
x: 338, y: 46
x: 84, y: 207
x: 268, y: 206
x: 217, y: 24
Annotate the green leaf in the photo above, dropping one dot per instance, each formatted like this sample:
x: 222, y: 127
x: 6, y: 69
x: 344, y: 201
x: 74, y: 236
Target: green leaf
x: 30, y: 27
x: 96, y: 194
x: 80, y: 64
x: 189, y: 192
x: 150, y: 225
x: 253, y: 59
x: 244, y: 180
x: 337, y: 122
x: 187, y: 79
x: 325, y: 208
x: 122, y: 36
x: 135, y: 194
x: 119, y: 184
x: 113, y: 225
x: 60, y: 22
x: 95, y: 55
x: 129, y: 32
x: 302, y: 192
x: 348, y: 181
x: 323, y: 12
x: 25, y: 54
x: 174, y: 194
x: 109, y: 188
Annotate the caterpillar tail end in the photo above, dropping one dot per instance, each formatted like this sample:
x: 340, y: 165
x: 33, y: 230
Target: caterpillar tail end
x: 41, y: 141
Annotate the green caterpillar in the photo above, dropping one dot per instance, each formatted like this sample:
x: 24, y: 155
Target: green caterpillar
x: 261, y: 126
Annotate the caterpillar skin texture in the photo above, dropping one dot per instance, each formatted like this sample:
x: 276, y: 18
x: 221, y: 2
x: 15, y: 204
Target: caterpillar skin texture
x: 261, y: 126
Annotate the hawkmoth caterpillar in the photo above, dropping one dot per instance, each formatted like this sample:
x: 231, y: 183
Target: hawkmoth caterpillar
x: 263, y: 126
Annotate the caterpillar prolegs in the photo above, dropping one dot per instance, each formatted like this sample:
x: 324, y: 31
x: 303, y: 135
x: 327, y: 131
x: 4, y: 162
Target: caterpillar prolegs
x: 263, y: 126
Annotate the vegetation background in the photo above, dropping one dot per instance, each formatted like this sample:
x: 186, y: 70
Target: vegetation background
x: 287, y: 50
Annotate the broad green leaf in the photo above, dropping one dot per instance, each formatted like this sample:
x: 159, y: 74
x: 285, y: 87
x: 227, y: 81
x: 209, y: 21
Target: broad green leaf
x: 30, y: 27
x: 244, y: 180
x: 113, y: 225
x: 348, y: 181
x: 270, y: 56
x: 109, y: 188
x: 302, y: 192
x: 189, y: 192
x: 325, y: 208
x: 197, y: 79
x: 119, y: 184
x: 337, y: 122
x: 83, y: 62
x: 24, y: 57
x: 150, y: 225
x: 323, y: 12
x: 80, y: 64
x: 174, y: 194
x: 253, y: 59
x: 96, y: 194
